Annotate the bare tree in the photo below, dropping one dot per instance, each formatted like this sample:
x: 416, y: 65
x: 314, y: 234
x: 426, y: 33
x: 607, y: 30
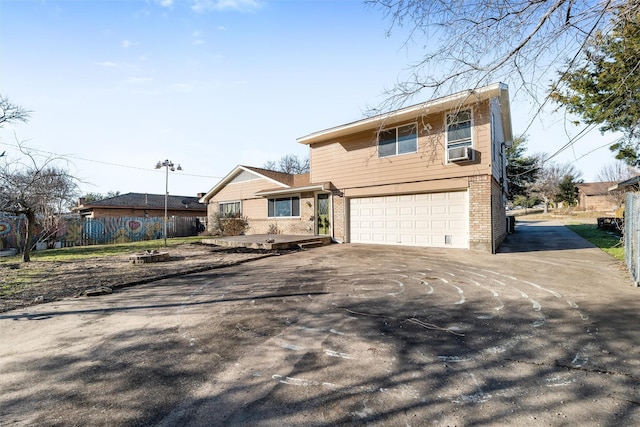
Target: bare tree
x: 10, y: 112
x: 289, y: 164
x: 468, y: 44
x: 36, y: 188
x: 551, y: 175
x: 616, y: 171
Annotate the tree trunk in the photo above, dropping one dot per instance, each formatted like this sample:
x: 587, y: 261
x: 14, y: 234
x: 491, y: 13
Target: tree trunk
x: 31, y: 221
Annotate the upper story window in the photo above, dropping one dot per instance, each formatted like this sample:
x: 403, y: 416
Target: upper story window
x: 229, y: 209
x: 284, y: 207
x: 459, y: 129
x: 399, y: 140
x: 459, y: 136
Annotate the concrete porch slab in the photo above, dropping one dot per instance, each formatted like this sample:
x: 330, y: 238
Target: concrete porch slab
x: 269, y: 241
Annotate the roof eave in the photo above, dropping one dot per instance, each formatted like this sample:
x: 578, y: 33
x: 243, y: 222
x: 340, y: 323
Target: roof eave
x: 266, y: 193
x: 440, y: 104
x: 624, y: 184
x: 224, y: 181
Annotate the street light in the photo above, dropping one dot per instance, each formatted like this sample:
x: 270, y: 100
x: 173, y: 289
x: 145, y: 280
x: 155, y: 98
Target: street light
x: 168, y: 164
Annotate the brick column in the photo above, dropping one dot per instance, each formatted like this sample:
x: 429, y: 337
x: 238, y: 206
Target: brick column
x: 480, y: 218
x: 338, y: 213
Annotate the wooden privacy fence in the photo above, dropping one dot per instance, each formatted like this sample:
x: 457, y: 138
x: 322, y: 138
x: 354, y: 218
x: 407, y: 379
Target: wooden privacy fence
x: 88, y: 231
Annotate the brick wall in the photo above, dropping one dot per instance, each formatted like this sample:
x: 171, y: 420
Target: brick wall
x: 304, y: 225
x: 480, y: 220
x: 499, y: 216
x: 339, y: 215
x: 487, y: 217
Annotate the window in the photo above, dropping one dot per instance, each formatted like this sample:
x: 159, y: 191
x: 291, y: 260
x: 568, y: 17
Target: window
x: 459, y: 136
x: 283, y: 207
x: 400, y: 140
x: 459, y: 129
x: 229, y: 209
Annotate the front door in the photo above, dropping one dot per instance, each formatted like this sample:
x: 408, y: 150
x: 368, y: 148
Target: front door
x: 323, y: 213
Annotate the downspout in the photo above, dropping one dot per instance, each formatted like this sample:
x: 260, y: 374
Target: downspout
x: 493, y: 242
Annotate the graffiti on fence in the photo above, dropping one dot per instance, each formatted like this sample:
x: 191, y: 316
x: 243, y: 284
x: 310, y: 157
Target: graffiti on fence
x: 11, y: 228
x: 121, y: 230
x: 90, y: 231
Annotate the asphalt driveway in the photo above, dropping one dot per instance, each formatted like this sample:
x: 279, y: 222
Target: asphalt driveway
x: 543, y: 333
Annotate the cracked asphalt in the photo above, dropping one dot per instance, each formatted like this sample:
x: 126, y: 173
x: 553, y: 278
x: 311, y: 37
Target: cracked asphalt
x: 543, y: 333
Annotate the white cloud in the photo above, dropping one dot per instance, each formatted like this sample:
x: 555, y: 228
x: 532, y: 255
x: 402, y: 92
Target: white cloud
x: 139, y: 80
x: 201, y: 6
x: 239, y: 5
x: 197, y: 38
x: 128, y: 43
x: 221, y: 28
x: 180, y: 87
x: 107, y: 64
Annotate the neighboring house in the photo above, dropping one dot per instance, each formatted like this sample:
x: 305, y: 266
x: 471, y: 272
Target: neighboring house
x: 140, y: 205
x: 595, y: 196
x: 432, y: 174
x: 629, y: 185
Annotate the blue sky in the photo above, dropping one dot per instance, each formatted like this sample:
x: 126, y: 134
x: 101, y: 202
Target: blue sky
x: 115, y: 86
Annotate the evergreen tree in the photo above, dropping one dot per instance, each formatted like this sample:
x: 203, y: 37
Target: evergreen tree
x: 567, y: 190
x: 522, y: 170
x: 605, y: 90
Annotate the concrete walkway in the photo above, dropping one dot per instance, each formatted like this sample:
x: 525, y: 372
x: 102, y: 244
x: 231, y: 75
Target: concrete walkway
x: 542, y: 236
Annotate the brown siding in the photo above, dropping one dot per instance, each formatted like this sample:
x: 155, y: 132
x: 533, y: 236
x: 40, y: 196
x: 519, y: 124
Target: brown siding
x: 353, y: 162
x: 255, y: 208
x: 243, y: 190
x: 441, y: 185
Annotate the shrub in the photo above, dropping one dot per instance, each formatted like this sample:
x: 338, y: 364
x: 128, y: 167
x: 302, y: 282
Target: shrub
x: 229, y: 225
x: 273, y: 229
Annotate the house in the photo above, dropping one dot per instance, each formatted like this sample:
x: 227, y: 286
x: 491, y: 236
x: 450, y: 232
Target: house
x: 432, y: 174
x: 595, y: 196
x: 629, y: 185
x: 141, y: 205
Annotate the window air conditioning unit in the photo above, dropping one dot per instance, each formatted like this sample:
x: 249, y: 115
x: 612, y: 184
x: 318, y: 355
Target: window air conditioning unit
x: 460, y: 154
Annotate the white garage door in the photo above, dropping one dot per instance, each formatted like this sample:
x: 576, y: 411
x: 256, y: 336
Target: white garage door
x: 434, y: 219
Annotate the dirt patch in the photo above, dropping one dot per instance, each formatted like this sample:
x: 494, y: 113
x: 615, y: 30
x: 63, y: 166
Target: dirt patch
x: 45, y: 281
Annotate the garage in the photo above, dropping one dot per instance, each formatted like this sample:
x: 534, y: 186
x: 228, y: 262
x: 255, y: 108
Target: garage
x: 430, y: 219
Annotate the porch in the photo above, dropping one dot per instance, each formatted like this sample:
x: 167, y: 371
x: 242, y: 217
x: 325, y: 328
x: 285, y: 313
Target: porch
x: 269, y: 241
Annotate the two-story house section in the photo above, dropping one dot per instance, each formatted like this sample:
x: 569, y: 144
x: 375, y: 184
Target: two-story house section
x: 432, y: 174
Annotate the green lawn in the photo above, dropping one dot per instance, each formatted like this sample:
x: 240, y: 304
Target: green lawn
x: 81, y: 252
x: 605, y: 240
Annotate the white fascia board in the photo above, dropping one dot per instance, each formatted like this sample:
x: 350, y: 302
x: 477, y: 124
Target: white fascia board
x: 224, y: 181
x: 505, y: 111
x: 624, y: 184
x: 291, y: 190
x: 452, y: 101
